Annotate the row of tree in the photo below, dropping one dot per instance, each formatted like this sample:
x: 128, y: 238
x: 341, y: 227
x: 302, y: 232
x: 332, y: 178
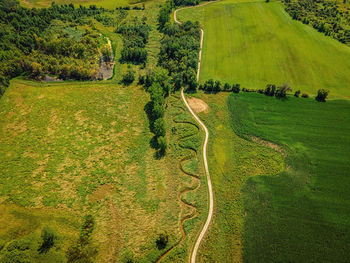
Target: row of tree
x: 158, y: 84
x: 211, y: 86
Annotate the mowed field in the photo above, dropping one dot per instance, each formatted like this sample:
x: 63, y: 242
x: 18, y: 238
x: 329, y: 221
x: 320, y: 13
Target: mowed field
x: 302, y: 214
x: 256, y: 43
x: 72, y: 149
x: 111, y: 4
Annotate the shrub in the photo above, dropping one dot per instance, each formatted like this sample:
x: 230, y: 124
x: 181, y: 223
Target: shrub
x: 304, y: 95
x: 227, y: 87
x: 157, y: 110
x: 48, y: 240
x: 270, y: 90
x: 297, y: 93
x: 162, y: 144
x: 322, y: 95
x: 129, y: 77
x: 281, y: 92
x: 159, y: 127
x: 162, y: 241
x: 236, y: 88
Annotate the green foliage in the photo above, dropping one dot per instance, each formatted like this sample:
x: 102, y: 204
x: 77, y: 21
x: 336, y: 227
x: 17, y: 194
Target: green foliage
x: 236, y: 88
x: 179, y: 53
x: 48, y: 239
x: 322, y: 95
x: 159, y: 127
x: 227, y: 87
x: 135, y: 36
x: 162, y: 143
x: 128, y: 77
x: 281, y: 91
x: 162, y: 241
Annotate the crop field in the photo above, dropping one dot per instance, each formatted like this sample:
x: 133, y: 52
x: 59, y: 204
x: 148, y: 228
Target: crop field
x: 301, y: 214
x: 110, y: 4
x: 257, y: 43
x: 71, y: 149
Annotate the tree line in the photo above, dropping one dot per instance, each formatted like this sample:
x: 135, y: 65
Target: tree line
x: 271, y: 90
x: 158, y: 84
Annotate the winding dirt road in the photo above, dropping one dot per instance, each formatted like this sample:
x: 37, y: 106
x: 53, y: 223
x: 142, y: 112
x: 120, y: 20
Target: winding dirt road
x: 210, y: 189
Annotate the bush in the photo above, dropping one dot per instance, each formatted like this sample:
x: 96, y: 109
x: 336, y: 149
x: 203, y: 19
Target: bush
x: 304, y: 95
x: 162, y: 241
x: 297, y: 93
x: 227, y: 87
x: 48, y: 237
x: 162, y: 144
x: 129, y: 77
x: 322, y: 95
x: 157, y: 111
x: 281, y: 92
x: 159, y: 127
x: 236, y: 88
x: 270, y: 90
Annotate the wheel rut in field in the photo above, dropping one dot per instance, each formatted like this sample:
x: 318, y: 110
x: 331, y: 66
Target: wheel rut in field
x: 191, y: 153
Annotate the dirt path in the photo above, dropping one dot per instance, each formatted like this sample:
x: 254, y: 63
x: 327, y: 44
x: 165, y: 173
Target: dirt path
x: 192, y: 153
x: 210, y: 190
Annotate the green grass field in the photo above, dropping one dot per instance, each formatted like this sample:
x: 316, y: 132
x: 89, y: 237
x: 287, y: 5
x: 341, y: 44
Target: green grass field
x: 283, y: 199
x: 256, y: 43
x: 302, y: 214
x: 69, y: 149
x: 110, y: 4
x: 231, y: 161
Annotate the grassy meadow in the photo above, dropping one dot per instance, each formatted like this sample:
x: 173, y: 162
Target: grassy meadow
x: 71, y: 149
x: 256, y: 43
x: 302, y: 214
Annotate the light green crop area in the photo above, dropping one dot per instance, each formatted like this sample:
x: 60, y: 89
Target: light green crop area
x: 256, y: 43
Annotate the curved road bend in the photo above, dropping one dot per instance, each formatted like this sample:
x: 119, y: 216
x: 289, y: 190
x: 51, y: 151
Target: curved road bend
x: 210, y: 189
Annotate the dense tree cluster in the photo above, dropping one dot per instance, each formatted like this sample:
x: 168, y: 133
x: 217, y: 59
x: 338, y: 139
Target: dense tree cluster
x: 135, y: 36
x: 179, y: 49
x: 28, y: 45
x: 323, y: 15
x: 158, y: 84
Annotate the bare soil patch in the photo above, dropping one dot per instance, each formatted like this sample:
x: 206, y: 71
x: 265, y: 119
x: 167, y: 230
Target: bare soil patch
x: 198, y: 105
